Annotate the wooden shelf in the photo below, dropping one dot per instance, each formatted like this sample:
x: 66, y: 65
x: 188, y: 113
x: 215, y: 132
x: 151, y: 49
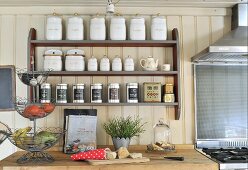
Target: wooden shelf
x: 116, y: 104
x: 112, y: 73
x: 103, y: 43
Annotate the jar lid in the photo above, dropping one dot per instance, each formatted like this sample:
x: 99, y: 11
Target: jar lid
x: 45, y: 84
x: 114, y: 84
x: 162, y: 124
x: 96, y: 84
x: 75, y: 52
x: 54, y: 19
x: 75, y: 19
x: 78, y: 84
x: 132, y: 84
x: 53, y: 52
x: 62, y: 84
x: 97, y: 20
x: 118, y: 20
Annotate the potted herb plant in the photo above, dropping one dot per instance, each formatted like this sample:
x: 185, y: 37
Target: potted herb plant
x: 123, y: 129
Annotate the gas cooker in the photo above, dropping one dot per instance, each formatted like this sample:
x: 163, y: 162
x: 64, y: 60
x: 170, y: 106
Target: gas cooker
x: 229, y: 158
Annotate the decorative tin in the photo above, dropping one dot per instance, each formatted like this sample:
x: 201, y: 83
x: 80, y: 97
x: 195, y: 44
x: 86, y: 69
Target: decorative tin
x: 168, y: 88
x: 78, y: 93
x: 114, y: 93
x: 152, y: 92
x: 45, y: 93
x: 169, y: 98
x: 96, y: 93
x: 61, y: 93
x: 132, y: 92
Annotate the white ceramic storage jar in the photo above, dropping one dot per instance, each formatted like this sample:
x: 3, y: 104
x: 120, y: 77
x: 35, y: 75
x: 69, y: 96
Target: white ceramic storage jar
x: 137, y: 29
x: 53, y: 60
x: 54, y: 28
x: 117, y: 64
x: 75, y: 60
x: 118, y: 28
x: 158, y: 28
x: 97, y: 29
x: 75, y: 28
x: 105, y: 64
x: 92, y: 64
x: 129, y: 64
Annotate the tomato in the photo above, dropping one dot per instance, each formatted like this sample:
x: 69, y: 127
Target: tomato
x: 33, y: 111
x: 48, y: 107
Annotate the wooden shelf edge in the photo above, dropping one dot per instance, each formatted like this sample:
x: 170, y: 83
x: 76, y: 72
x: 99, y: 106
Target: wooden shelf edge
x: 104, y: 43
x: 116, y: 104
x: 112, y: 73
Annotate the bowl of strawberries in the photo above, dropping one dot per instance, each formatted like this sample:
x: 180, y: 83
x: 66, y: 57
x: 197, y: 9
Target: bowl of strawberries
x: 33, y: 110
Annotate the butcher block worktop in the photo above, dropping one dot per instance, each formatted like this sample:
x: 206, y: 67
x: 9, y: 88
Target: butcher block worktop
x: 193, y: 160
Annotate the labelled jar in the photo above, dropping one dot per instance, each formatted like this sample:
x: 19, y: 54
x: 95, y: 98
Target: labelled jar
x: 96, y: 91
x: 45, y: 93
x: 117, y: 28
x: 54, y: 28
x: 137, y: 29
x: 132, y: 92
x: 61, y: 93
x: 114, y: 93
x: 53, y: 60
x: 97, y: 28
x: 75, y: 28
x: 78, y: 93
x: 75, y: 60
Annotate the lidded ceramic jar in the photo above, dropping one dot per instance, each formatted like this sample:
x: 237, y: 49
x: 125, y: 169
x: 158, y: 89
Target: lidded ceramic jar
x: 97, y: 28
x: 137, y: 29
x: 129, y: 64
x: 117, y: 64
x: 117, y: 28
x: 158, y: 28
x: 75, y: 60
x: 54, y: 28
x: 75, y: 28
x: 52, y: 60
x: 92, y: 64
x: 105, y: 64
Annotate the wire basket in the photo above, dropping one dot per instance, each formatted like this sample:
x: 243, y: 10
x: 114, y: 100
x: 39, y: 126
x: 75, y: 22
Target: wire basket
x: 4, y: 132
x: 32, y: 78
x: 35, y: 143
x: 33, y: 110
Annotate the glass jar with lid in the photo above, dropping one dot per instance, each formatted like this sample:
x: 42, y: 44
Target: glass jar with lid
x: 162, y: 133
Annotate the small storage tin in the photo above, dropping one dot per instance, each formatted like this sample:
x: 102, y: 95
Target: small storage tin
x: 78, y: 93
x: 54, y: 28
x: 96, y: 93
x: 45, y: 93
x: 168, y: 89
x: 75, y: 60
x: 137, y: 29
x: 117, y: 28
x: 132, y: 92
x: 114, y: 93
x: 61, y: 93
x: 75, y: 28
x: 169, y: 98
x: 97, y: 28
x: 53, y: 60
x: 158, y: 28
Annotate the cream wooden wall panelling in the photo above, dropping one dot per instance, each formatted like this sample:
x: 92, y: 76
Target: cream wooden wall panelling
x: 70, y: 10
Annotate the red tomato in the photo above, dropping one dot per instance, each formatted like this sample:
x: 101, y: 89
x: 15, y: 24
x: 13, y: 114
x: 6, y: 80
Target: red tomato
x: 48, y: 107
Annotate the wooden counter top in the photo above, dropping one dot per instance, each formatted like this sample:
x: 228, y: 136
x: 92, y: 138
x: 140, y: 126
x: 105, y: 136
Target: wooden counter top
x: 193, y: 160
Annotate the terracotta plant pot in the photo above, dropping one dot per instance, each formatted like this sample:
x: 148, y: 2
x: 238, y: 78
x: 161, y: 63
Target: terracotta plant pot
x: 121, y: 142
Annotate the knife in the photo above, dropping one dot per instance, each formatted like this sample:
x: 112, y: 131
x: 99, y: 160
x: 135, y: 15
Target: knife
x: 177, y: 158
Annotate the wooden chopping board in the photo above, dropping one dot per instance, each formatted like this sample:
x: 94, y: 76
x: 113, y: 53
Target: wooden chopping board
x: 118, y: 161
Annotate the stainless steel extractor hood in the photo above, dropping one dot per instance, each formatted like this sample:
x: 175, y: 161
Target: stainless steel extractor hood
x: 233, y: 47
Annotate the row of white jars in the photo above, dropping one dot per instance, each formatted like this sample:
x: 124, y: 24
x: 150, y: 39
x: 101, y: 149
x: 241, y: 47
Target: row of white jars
x: 75, y: 28
x: 74, y: 61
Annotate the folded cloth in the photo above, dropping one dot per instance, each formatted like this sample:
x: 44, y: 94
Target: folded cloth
x: 97, y: 154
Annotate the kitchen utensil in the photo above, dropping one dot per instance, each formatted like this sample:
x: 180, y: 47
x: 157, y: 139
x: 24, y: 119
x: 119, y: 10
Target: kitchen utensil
x: 176, y: 158
x: 149, y: 64
x: 118, y: 161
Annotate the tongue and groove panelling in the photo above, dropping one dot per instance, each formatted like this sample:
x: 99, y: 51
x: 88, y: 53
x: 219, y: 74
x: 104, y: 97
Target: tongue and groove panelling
x: 197, y: 30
